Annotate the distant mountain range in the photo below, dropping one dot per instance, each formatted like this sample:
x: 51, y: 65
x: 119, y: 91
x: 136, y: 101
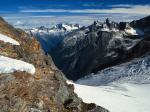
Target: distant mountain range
x: 101, y: 45
x: 51, y: 37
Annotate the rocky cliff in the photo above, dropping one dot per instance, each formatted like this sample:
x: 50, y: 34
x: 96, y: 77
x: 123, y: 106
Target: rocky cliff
x: 43, y: 89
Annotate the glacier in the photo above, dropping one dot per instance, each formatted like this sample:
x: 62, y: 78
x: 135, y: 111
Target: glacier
x: 117, y: 97
x: 122, y: 88
x: 135, y: 71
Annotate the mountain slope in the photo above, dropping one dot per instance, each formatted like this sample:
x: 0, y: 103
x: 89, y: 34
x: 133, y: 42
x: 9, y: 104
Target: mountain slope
x: 136, y: 71
x: 99, y: 46
x: 29, y: 81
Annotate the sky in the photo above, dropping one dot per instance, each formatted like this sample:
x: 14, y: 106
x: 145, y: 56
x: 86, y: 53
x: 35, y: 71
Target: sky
x: 51, y: 12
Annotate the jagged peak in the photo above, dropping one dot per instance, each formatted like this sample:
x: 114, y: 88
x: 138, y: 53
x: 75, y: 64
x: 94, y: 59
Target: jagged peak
x: 108, y: 21
x: 61, y: 27
x: 67, y: 26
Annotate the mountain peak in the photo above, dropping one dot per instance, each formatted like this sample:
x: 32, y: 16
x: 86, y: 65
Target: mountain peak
x: 67, y: 26
x: 108, y: 22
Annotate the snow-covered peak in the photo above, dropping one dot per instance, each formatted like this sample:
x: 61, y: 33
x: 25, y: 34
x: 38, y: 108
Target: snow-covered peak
x: 67, y: 27
x: 122, y: 27
x: 50, y: 37
x: 61, y: 28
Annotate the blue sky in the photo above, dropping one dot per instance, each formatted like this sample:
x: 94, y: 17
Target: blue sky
x: 75, y: 11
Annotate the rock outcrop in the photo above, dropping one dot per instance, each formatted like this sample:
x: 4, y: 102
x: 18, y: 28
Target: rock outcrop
x: 46, y: 90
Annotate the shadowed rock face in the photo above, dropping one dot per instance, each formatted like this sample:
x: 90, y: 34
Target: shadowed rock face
x: 46, y: 90
x: 101, y: 45
x: 143, y: 24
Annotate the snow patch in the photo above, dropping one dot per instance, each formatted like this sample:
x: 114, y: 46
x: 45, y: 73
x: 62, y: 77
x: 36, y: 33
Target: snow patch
x: 131, y: 31
x: 9, y: 65
x: 69, y: 28
x: 8, y: 39
x: 105, y: 29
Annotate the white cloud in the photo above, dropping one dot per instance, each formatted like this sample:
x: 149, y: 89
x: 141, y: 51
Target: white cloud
x: 18, y: 23
x: 121, y: 12
x: 133, y: 9
x: 44, y: 10
x: 17, y: 16
x: 122, y: 5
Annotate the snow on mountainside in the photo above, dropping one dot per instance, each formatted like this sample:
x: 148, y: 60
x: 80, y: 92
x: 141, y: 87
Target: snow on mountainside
x: 9, y: 65
x: 51, y: 37
x: 8, y: 39
x: 135, y: 71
